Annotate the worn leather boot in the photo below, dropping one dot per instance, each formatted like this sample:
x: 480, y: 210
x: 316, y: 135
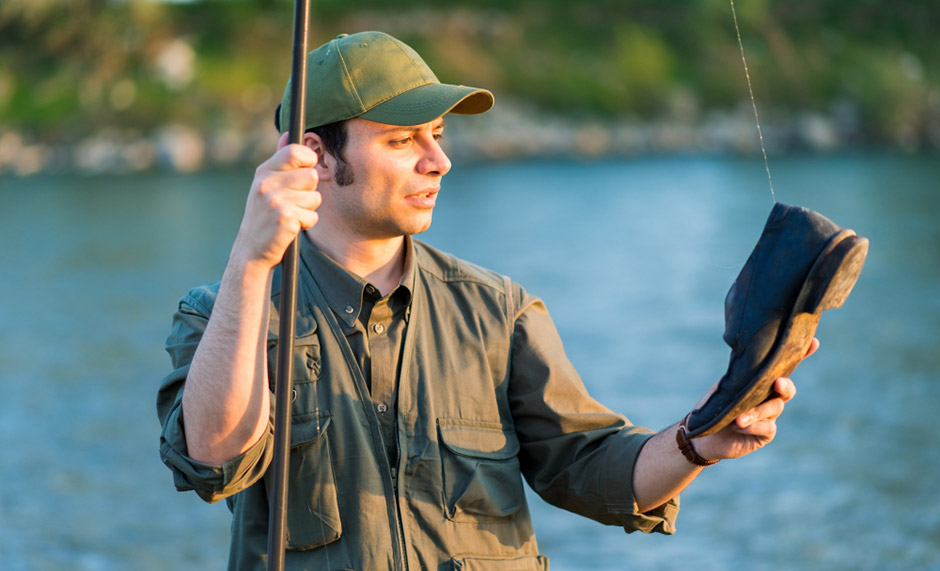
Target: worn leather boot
x: 803, y: 264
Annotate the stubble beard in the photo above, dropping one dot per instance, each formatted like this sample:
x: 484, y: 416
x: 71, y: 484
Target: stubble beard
x: 345, y: 176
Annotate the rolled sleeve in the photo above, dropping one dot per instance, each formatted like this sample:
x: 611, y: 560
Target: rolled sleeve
x: 576, y: 453
x: 211, y: 483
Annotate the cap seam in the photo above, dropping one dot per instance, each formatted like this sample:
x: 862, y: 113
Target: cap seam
x: 355, y: 88
x: 412, y: 65
x: 411, y: 61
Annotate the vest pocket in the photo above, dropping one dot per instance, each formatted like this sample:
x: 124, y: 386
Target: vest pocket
x: 530, y: 563
x: 313, y: 517
x: 481, y: 477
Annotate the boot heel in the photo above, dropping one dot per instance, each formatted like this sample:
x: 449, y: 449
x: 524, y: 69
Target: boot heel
x: 834, y: 274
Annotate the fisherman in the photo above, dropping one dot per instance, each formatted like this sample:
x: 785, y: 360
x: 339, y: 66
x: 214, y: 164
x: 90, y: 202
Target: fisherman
x: 425, y: 387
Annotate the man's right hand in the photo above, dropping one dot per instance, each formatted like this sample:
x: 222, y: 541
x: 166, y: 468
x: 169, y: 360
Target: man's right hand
x: 282, y: 201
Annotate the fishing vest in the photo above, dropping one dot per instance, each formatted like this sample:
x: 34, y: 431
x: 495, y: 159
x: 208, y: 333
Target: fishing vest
x: 455, y: 499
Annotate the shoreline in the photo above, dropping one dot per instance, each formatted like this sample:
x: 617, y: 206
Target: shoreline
x: 508, y: 132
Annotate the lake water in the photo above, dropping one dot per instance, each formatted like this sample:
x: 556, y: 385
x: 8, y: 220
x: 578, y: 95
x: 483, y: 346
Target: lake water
x: 633, y: 259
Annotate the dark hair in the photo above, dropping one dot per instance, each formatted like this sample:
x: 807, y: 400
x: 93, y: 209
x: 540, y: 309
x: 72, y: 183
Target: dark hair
x: 333, y: 135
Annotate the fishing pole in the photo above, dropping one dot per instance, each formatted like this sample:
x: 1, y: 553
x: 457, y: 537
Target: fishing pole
x: 284, y: 379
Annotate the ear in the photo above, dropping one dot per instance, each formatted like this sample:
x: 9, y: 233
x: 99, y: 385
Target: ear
x: 325, y: 161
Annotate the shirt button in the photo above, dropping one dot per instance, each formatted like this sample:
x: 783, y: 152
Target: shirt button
x: 378, y: 328
x: 381, y: 407
x: 349, y: 309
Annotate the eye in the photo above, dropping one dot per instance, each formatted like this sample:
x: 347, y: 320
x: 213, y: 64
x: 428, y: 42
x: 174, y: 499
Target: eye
x: 403, y: 142
x: 438, y: 136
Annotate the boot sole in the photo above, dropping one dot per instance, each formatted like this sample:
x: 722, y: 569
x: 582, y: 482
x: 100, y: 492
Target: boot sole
x: 827, y: 286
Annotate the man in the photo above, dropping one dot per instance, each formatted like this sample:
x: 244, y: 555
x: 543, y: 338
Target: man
x: 424, y: 385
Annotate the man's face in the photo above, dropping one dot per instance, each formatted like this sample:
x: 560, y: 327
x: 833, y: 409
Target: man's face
x: 396, y: 174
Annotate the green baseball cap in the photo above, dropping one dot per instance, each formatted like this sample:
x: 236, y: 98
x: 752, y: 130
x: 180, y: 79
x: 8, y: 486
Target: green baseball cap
x: 377, y: 77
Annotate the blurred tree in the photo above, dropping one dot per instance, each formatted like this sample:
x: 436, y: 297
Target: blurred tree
x: 73, y: 67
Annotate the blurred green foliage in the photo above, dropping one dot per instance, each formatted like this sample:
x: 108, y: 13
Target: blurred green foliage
x: 68, y: 68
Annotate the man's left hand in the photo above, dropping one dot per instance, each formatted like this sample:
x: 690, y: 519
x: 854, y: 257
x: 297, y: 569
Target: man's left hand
x: 754, y: 428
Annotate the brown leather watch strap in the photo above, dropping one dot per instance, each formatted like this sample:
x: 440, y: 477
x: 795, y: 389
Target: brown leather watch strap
x: 686, y: 447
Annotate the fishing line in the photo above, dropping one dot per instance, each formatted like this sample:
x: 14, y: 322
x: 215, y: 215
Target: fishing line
x: 750, y: 90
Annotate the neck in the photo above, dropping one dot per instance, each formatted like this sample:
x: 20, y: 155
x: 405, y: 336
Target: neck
x: 379, y: 262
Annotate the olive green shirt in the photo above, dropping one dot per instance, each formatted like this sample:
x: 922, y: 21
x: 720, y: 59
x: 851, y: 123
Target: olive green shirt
x: 415, y: 417
x: 374, y: 327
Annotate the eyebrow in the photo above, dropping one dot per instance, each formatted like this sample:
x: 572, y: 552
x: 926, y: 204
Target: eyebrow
x: 412, y: 128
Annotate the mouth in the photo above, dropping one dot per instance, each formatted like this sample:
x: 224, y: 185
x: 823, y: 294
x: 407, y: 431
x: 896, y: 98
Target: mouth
x: 424, y: 199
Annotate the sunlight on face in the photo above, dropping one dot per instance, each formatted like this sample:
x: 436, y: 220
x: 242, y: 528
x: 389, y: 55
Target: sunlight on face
x: 395, y: 177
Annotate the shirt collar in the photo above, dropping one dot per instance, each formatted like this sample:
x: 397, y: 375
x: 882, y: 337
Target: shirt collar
x: 345, y: 291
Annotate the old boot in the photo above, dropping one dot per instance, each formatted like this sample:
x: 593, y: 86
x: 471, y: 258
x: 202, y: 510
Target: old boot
x: 803, y: 264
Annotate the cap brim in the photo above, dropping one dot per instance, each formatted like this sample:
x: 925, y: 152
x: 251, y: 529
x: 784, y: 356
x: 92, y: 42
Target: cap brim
x: 428, y: 102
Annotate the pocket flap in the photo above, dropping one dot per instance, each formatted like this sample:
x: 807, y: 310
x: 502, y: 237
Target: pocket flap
x: 478, y: 439
x: 309, y: 430
x: 305, y: 327
x: 530, y: 563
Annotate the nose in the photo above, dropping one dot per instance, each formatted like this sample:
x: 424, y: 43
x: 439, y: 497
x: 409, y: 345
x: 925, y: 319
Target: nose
x: 435, y: 161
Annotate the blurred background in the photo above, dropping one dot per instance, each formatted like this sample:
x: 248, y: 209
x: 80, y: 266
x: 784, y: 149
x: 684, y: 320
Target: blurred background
x: 620, y: 177
x: 121, y: 85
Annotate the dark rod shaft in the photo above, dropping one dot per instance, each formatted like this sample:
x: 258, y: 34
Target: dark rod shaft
x: 284, y: 381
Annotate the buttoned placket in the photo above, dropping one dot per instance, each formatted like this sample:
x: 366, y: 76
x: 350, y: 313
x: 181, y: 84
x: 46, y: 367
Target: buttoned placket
x: 383, y: 362
x: 374, y: 328
x: 382, y: 325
